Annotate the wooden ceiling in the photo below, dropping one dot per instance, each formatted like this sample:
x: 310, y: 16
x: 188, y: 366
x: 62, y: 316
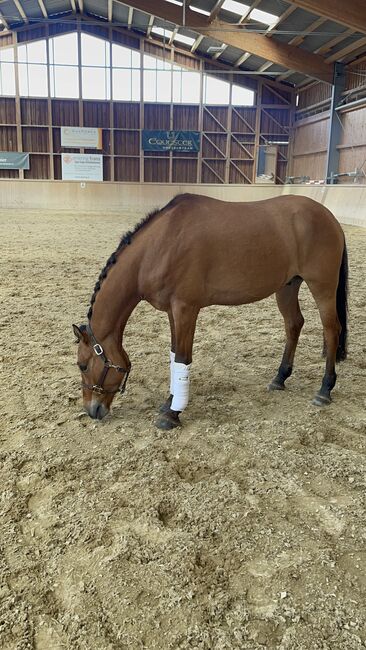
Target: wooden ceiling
x: 302, y: 44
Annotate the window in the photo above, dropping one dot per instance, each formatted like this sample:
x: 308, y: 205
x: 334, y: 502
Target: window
x: 95, y: 61
x: 126, y: 73
x: 7, y: 71
x: 64, y: 74
x: 186, y: 86
x: 242, y: 96
x: 215, y: 91
x: 32, y: 59
x: 157, y: 80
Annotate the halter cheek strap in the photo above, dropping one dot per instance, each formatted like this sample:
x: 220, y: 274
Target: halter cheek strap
x: 99, y: 388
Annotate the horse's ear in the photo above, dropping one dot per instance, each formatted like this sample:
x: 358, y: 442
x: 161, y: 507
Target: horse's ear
x: 78, y: 331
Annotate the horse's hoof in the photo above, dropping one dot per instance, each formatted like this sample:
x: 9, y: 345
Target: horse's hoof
x: 275, y: 386
x: 321, y: 400
x: 167, y: 421
x: 165, y: 408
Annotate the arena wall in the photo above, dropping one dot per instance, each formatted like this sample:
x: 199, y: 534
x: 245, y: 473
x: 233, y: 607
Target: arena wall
x: 345, y: 201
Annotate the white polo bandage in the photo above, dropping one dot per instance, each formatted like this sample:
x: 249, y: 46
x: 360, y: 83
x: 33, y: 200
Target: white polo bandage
x: 180, y: 386
x: 172, y: 359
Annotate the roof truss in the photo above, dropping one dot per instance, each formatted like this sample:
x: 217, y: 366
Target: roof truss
x: 237, y: 36
x: 352, y: 14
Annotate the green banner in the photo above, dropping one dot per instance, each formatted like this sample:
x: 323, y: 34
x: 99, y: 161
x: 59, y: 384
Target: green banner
x: 14, y: 160
x: 170, y: 140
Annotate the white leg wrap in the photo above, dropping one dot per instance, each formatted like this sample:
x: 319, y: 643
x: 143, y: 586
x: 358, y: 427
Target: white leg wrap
x: 172, y: 358
x: 180, y: 387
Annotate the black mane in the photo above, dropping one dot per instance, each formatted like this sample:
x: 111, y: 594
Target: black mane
x: 126, y: 241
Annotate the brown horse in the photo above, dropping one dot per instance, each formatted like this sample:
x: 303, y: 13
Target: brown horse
x: 198, y: 251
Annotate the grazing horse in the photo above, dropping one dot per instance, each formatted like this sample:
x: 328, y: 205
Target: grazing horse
x: 198, y: 251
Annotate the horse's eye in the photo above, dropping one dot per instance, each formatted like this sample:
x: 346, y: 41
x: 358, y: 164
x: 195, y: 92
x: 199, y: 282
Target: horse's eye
x: 82, y: 367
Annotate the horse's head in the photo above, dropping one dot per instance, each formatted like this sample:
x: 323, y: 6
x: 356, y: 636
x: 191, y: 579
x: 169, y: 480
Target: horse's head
x: 101, y: 378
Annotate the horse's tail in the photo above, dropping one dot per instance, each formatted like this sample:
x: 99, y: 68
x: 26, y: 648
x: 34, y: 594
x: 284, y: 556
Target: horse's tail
x: 342, y: 305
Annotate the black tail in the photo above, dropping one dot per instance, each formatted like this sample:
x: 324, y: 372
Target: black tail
x: 342, y: 306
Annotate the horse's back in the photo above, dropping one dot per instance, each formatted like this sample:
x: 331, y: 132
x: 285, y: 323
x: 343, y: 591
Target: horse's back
x: 223, y: 252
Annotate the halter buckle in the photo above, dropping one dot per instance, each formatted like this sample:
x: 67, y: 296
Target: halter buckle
x: 98, y: 389
x: 98, y: 349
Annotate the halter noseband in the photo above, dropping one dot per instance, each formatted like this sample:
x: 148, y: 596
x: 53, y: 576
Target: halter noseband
x: 99, y: 388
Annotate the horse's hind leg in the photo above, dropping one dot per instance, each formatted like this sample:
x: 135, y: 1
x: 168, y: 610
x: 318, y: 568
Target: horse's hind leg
x: 326, y: 302
x: 288, y: 304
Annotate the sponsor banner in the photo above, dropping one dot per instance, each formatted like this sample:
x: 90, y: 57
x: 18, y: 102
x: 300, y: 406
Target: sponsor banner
x: 82, y: 167
x: 170, y: 140
x: 14, y: 160
x: 77, y: 136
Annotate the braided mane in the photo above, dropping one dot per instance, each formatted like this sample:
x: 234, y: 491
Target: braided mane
x: 126, y: 241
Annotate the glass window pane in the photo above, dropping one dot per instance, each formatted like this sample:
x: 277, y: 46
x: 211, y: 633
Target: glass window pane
x: 95, y: 83
x: 37, y: 80
x: 121, y: 56
x: 136, y: 83
x: 163, y: 64
x: 135, y: 59
x: 177, y: 85
x: 164, y: 86
x: 122, y: 85
x: 64, y: 49
x: 216, y: 91
x: 23, y: 79
x: 242, y: 96
x: 149, y: 86
x: 7, y: 79
x: 190, y: 87
x: 36, y: 52
x: 22, y: 53
x: 7, y: 54
x: 64, y: 81
x: 94, y: 51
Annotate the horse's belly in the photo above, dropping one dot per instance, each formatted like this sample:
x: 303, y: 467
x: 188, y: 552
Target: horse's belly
x: 242, y: 286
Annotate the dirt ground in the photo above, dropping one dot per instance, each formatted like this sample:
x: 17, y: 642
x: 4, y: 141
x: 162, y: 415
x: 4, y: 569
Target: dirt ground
x: 244, y: 529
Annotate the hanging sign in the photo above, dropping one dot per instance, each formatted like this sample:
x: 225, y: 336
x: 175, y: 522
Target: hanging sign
x: 14, y: 160
x: 79, y: 137
x: 170, y: 140
x: 82, y: 167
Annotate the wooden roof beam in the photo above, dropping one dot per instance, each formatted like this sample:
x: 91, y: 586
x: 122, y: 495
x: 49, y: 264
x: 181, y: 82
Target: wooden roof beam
x: 3, y: 20
x: 352, y: 14
x: 272, y: 28
x: 198, y: 40
x: 43, y: 8
x: 338, y: 56
x: 110, y: 11
x: 21, y: 11
x: 334, y: 41
x: 271, y: 50
x: 301, y: 37
x: 216, y: 10
x: 246, y: 40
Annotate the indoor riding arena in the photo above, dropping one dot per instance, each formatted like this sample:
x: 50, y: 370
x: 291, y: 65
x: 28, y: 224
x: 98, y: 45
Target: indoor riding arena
x: 206, y: 508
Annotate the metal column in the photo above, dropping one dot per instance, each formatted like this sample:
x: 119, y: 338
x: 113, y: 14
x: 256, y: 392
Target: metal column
x: 335, y: 126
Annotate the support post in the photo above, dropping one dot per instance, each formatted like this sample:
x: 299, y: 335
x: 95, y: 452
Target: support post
x: 335, y: 125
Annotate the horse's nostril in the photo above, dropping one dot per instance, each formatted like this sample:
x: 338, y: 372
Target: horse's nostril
x: 100, y: 412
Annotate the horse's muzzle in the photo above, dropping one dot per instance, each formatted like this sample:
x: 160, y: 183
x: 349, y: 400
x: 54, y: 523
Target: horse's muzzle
x: 96, y: 410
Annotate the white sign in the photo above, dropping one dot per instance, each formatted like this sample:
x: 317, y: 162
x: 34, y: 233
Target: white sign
x: 82, y: 167
x: 77, y: 136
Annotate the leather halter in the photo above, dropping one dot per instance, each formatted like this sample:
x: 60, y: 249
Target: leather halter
x: 99, y: 388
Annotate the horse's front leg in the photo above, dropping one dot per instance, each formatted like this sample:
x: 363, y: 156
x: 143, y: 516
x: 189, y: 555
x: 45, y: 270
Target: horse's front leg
x: 165, y: 407
x: 184, y: 320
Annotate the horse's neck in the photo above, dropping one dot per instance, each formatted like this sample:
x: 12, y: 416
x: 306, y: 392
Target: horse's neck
x: 116, y: 299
